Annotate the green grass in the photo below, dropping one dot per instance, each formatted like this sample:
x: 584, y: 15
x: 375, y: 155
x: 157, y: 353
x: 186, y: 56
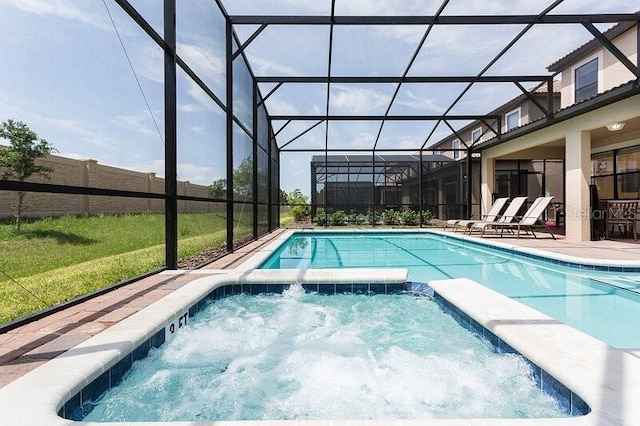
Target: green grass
x: 285, y: 217
x: 57, y: 259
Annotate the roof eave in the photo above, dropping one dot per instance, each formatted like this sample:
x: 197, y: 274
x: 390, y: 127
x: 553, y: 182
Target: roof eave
x: 625, y: 91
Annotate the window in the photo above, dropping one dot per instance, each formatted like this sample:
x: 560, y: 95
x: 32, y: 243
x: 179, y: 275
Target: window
x: 617, y: 173
x: 455, y: 145
x: 437, y: 152
x: 586, y: 80
x: 628, y: 160
x: 512, y: 119
x: 475, y: 135
x: 602, y: 164
x: 628, y: 166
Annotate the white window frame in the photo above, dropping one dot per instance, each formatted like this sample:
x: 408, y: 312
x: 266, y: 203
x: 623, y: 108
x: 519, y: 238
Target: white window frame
x: 479, y: 132
x: 506, y: 118
x: 455, y: 144
x: 600, y: 57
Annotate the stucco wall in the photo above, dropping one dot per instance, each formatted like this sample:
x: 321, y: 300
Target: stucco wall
x: 611, y: 72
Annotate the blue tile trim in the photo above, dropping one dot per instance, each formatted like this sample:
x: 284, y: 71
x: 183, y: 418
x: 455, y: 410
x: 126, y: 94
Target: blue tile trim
x: 81, y: 404
x: 570, y: 402
x: 361, y: 288
x: 343, y: 288
x: 310, y: 287
x: 329, y: 289
x: 569, y: 264
x: 78, y: 406
x: 378, y: 288
x: 511, y: 251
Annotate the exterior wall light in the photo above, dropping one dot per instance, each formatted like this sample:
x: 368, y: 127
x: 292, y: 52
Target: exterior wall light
x: 614, y: 127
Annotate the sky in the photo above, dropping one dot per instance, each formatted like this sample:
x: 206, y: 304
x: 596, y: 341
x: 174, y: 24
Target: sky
x: 67, y: 75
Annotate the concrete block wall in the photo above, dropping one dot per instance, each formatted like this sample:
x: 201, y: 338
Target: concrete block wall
x: 89, y: 173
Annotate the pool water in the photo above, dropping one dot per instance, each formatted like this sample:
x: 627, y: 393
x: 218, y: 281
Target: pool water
x: 306, y: 356
x: 603, y: 304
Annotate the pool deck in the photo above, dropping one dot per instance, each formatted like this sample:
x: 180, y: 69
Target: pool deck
x: 29, y: 346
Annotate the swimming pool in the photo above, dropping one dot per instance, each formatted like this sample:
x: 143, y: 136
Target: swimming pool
x: 569, y: 363
x: 602, y: 303
x: 301, y: 355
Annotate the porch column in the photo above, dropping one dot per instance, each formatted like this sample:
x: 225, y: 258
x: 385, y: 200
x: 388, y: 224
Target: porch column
x: 578, y: 173
x: 487, y: 182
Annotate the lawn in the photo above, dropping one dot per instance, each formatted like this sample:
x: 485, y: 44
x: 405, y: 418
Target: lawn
x: 57, y: 259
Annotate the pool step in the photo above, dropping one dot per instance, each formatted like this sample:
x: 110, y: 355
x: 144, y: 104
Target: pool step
x: 622, y: 283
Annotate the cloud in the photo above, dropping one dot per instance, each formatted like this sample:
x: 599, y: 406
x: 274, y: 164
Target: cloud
x: 149, y: 63
x: 78, y: 11
x: 279, y: 106
x: 198, y: 174
x: 418, y: 103
x: 205, y: 59
x: 362, y: 140
x: 187, y: 108
x: 198, y: 95
x: 262, y: 66
x: 84, y: 132
x: 357, y: 100
x: 139, y: 123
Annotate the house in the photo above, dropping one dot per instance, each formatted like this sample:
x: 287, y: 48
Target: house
x: 596, y: 133
x: 514, y: 177
x: 357, y: 183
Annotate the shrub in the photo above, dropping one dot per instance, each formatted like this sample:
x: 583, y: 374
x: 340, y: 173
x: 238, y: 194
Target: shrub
x: 352, y: 217
x: 300, y: 212
x: 426, y: 217
x: 321, y: 218
x: 337, y: 218
x: 299, y: 203
x: 390, y: 217
x: 372, y: 216
x: 409, y: 217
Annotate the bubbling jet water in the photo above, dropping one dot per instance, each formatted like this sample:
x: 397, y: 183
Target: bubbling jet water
x: 309, y: 356
x: 295, y: 291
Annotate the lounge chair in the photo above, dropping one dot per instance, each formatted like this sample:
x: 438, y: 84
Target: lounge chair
x: 507, y: 217
x: 491, y: 216
x: 531, y: 218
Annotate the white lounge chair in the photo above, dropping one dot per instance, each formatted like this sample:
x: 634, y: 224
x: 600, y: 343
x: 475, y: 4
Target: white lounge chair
x: 507, y: 217
x: 491, y: 215
x: 531, y: 218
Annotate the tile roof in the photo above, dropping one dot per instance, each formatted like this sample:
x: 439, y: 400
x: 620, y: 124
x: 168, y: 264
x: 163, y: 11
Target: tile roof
x: 589, y: 46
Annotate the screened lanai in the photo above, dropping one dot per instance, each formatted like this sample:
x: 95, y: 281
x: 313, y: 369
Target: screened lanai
x: 193, y: 115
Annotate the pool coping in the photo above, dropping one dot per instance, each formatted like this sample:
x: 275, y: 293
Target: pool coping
x: 566, y: 353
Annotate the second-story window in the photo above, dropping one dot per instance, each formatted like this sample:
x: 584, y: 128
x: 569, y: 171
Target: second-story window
x: 475, y: 135
x: 513, y: 119
x: 586, y: 80
x: 456, y: 146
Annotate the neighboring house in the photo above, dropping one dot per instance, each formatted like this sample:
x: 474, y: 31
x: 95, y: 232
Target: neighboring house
x: 515, y: 113
x: 514, y: 177
x: 359, y: 182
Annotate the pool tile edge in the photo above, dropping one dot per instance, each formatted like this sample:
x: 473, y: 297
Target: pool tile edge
x: 604, y: 377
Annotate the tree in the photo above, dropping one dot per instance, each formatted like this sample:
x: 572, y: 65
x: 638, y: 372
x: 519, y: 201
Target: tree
x: 299, y: 203
x: 218, y: 188
x: 283, y: 197
x: 18, y: 160
x: 242, y: 182
x: 243, y: 178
